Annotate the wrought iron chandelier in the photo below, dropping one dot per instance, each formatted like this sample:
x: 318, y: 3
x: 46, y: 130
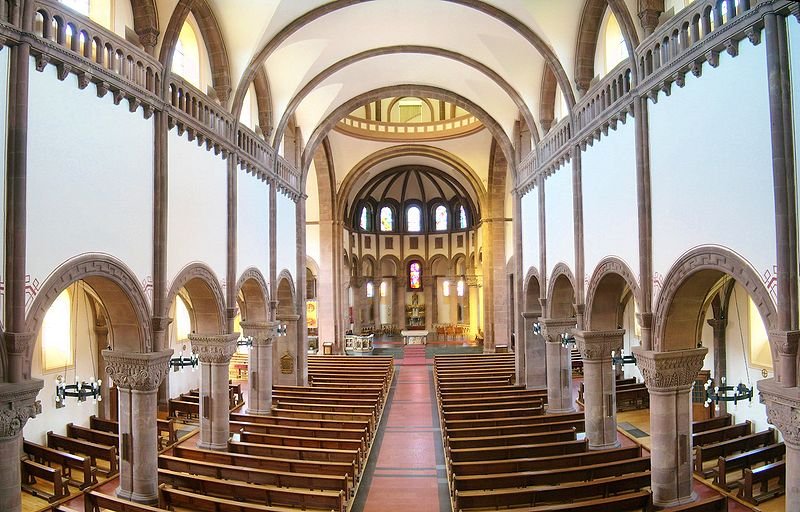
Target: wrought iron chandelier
x: 717, y: 394
x: 567, y: 340
x: 181, y: 362
x: 619, y: 359
x: 80, y: 390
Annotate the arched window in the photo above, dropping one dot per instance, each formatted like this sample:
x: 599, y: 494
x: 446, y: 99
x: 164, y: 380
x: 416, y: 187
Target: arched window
x: 462, y: 217
x: 183, y: 321
x: 415, y: 275
x: 365, y: 218
x: 440, y: 218
x: 414, y: 219
x: 186, y: 60
x: 57, y: 334
x: 445, y: 288
x: 614, y: 44
x: 460, y: 288
x: 383, y: 288
x: 387, y: 219
x: 370, y: 289
x: 98, y: 11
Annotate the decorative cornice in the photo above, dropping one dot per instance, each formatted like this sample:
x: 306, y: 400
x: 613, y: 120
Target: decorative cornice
x: 598, y: 345
x: 552, y: 328
x: 783, y: 409
x: 140, y: 371
x: 217, y: 348
x: 17, y: 405
x: 667, y: 371
x: 262, y: 333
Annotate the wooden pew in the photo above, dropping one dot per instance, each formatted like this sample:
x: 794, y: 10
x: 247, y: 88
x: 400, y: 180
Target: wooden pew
x: 516, y: 403
x: 523, y: 428
x: 93, y: 450
x: 717, y: 435
x: 471, y: 398
x: 539, y: 495
x: 712, y: 423
x: 166, y: 429
x: 512, y: 439
x: 534, y: 416
x: 360, y: 418
x: 190, y: 409
x: 267, y: 494
x: 95, y: 501
x: 288, y: 430
x: 762, y: 475
x: 724, y: 448
x: 266, y: 463
x: 94, y: 436
x: 633, y: 398
x: 304, y: 442
x: 449, y: 416
x: 46, y: 456
x: 170, y: 498
x: 516, y: 451
x: 718, y: 503
x: 297, y: 453
x: 257, y: 476
x: 639, y: 501
x: 748, y: 459
x: 31, y: 470
x: 551, y: 476
x: 304, y: 422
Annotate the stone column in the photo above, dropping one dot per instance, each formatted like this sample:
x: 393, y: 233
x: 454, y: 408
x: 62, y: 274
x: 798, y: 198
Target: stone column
x: 283, y: 346
x: 429, y: 292
x: 17, y: 404
x: 259, y: 372
x: 669, y: 377
x: 214, y: 352
x: 719, y: 326
x: 533, y: 349
x: 137, y: 376
x: 783, y: 411
x: 600, y: 400
x: 559, y: 365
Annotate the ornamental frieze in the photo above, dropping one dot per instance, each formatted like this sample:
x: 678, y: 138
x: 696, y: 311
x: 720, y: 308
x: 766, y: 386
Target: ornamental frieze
x: 783, y: 409
x: 140, y: 371
x: 217, y: 348
x: 598, y: 345
x: 663, y: 371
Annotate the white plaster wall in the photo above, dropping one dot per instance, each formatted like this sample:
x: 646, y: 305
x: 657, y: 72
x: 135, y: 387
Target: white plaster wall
x: 312, y: 193
x: 609, y: 199
x: 529, y: 216
x: 711, y: 172
x: 559, y: 218
x: 197, y: 212
x: 91, y: 189
x: 252, y: 226
x: 286, y: 235
x: 4, y: 54
x: 312, y: 242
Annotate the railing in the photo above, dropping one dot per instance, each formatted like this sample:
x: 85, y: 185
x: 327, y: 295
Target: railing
x: 81, y: 37
x: 287, y: 172
x: 454, y: 127
x: 604, y: 97
x: 554, y: 144
x: 254, y: 150
x: 198, y: 114
x: 527, y: 166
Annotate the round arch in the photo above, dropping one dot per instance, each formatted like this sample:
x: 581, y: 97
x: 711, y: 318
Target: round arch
x: 607, y: 287
x: 405, y: 90
x: 205, y: 293
x: 115, y: 284
x: 686, y: 287
x: 284, y: 293
x: 393, y: 260
x: 531, y: 291
x: 561, y: 292
x: 254, y: 293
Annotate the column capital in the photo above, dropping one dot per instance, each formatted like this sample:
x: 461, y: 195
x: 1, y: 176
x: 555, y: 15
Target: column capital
x: 552, y: 328
x: 214, y: 348
x: 17, y: 405
x: 785, y: 341
x: 529, y: 315
x: 717, y: 323
x: 18, y: 342
x: 262, y: 333
x: 783, y: 409
x: 671, y: 370
x: 598, y: 345
x: 140, y: 371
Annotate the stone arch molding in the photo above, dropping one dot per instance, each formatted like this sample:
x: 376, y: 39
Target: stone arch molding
x: 96, y: 269
x: 609, y: 266
x: 561, y: 269
x: 722, y: 260
x: 207, y: 276
x: 532, y: 273
x: 254, y: 275
x: 287, y: 276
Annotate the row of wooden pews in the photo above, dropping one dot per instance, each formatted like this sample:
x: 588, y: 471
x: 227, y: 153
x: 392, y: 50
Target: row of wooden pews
x: 631, y: 395
x: 308, y: 454
x: 737, y: 458
x: 187, y: 405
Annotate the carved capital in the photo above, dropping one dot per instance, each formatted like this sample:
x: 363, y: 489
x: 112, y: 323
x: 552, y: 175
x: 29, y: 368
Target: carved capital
x: 262, y: 333
x: 214, y: 348
x: 552, y: 328
x: 665, y: 371
x: 140, y: 371
x: 718, y: 324
x: 783, y: 409
x: 598, y: 345
x: 18, y: 342
x: 785, y: 341
x: 17, y: 405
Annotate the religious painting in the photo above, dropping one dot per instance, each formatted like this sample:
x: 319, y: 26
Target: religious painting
x: 311, y: 314
x: 415, y: 275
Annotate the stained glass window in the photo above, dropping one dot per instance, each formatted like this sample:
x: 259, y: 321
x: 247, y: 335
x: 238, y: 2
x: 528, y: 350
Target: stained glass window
x: 414, y: 218
x: 415, y: 275
x: 440, y: 218
x: 460, y: 288
x: 462, y: 217
x: 370, y: 289
x: 363, y: 220
x: 387, y: 219
x: 446, y: 288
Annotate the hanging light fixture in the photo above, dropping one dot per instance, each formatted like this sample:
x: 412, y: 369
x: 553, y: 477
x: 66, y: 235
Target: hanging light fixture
x: 80, y: 390
x: 621, y: 359
x: 181, y: 362
x: 567, y: 340
x: 537, y: 328
x: 245, y: 342
x: 725, y: 393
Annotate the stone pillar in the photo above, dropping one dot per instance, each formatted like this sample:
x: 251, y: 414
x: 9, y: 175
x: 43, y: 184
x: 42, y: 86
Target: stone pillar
x: 282, y: 347
x: 214, y: 352
x: 137, y: 376
x: 669, y: 377
x: 783, y: 411
x: 649, y: 13
x: 559, y: 365
x: 719, y: 325
x: 429, y: 294
x: 17, y: 404
x: 533, y: 349
x: 259, y: 372
x: 599, y: 394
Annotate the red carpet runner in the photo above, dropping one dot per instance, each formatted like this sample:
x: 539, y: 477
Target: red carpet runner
x: 413, y: 355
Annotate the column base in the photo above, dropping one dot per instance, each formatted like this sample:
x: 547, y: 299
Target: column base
x: 607, y: 446
x: 145, y: 499
x: 561, y: 411
x: 213, y: 446
x: 677, y: 502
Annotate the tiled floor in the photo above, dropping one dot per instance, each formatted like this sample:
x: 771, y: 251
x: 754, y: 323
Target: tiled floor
x: 406, y: 470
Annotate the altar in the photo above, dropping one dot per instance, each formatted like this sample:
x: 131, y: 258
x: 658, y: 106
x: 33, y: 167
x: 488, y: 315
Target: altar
x: 414, y: 337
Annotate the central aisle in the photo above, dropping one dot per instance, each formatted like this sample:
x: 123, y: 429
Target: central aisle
x: 406, y: 469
